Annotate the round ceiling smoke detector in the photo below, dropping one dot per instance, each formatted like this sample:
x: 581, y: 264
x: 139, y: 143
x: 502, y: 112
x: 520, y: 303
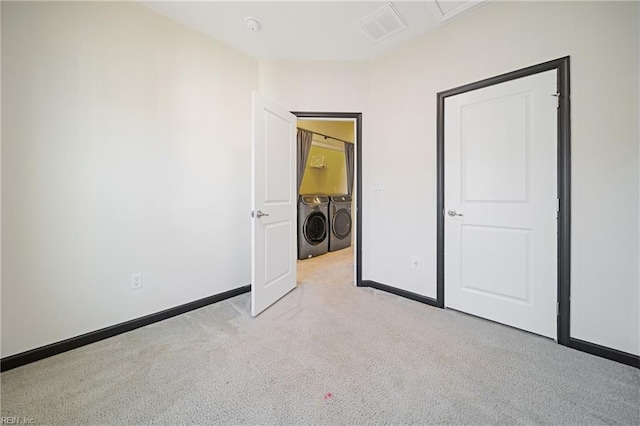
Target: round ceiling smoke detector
x: 252, y: 24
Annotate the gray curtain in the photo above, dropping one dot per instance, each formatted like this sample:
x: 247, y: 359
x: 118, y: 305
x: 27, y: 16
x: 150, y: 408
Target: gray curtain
x: 348, y: 157
x: 304, y: 147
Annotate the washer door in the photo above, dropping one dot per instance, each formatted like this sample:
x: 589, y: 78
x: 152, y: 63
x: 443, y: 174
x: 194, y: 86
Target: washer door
x: 315, y: 228
x: 342, y: 224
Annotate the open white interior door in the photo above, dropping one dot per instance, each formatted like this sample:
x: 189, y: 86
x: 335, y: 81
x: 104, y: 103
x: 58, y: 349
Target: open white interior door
x: 273, y: 203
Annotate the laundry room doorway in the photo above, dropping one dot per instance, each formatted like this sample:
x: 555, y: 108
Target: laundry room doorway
x: 329, y: 217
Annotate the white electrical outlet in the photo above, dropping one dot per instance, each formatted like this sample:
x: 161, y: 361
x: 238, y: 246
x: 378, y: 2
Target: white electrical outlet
x: 136, y: 280
x: 416, y: 263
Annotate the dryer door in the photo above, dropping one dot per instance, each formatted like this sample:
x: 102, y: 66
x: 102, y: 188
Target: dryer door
x: 315, y: 228
x: 342, y: 224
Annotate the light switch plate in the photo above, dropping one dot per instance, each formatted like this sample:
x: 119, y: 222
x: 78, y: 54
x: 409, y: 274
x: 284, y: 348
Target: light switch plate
x: 377, y: 186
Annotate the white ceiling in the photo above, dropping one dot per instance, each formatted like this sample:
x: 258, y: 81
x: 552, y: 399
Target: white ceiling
x: 303, y: 30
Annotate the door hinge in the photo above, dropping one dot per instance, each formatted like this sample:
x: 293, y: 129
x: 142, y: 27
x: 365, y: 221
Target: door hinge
x: 557, y: 95
x: 558, y: 205
x: 557, y: 308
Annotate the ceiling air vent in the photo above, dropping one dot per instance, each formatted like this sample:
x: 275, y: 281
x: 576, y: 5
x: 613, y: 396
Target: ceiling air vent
x: 382, y: 23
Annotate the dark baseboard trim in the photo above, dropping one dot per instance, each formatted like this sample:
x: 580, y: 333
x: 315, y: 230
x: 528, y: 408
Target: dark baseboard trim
x: 37, y: 354
x: 580, y: 345
x: 604, y: 352
x: 398, y: 292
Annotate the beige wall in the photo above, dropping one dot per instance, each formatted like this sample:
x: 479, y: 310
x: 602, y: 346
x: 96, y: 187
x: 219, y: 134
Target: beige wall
x: 315, y: 86
x: 122, y: 131
x: 602, y: 40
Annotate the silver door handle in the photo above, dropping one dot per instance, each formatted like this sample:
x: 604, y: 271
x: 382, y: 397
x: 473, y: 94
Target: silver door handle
x: 454, y: 213
x: 259, y: 214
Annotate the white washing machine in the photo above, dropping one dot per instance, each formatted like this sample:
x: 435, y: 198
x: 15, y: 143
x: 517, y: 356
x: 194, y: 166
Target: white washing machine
x: 313, y: 225
x: 340, y: 221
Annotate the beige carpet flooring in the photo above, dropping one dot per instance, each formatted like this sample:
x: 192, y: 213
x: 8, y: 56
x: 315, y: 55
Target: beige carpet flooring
x: 327, y: 353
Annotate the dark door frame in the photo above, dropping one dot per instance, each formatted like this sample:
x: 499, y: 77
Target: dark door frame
x: 561, y: 66
x: 357, y: 116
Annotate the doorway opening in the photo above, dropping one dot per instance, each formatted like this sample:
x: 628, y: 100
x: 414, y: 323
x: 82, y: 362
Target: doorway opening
x: 329, y: 205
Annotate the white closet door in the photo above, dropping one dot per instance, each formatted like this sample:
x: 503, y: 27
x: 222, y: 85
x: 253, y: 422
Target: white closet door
x: 500, y: 203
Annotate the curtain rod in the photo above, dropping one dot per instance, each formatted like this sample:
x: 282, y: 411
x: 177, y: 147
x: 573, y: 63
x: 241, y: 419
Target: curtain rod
x: 325, y: 136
